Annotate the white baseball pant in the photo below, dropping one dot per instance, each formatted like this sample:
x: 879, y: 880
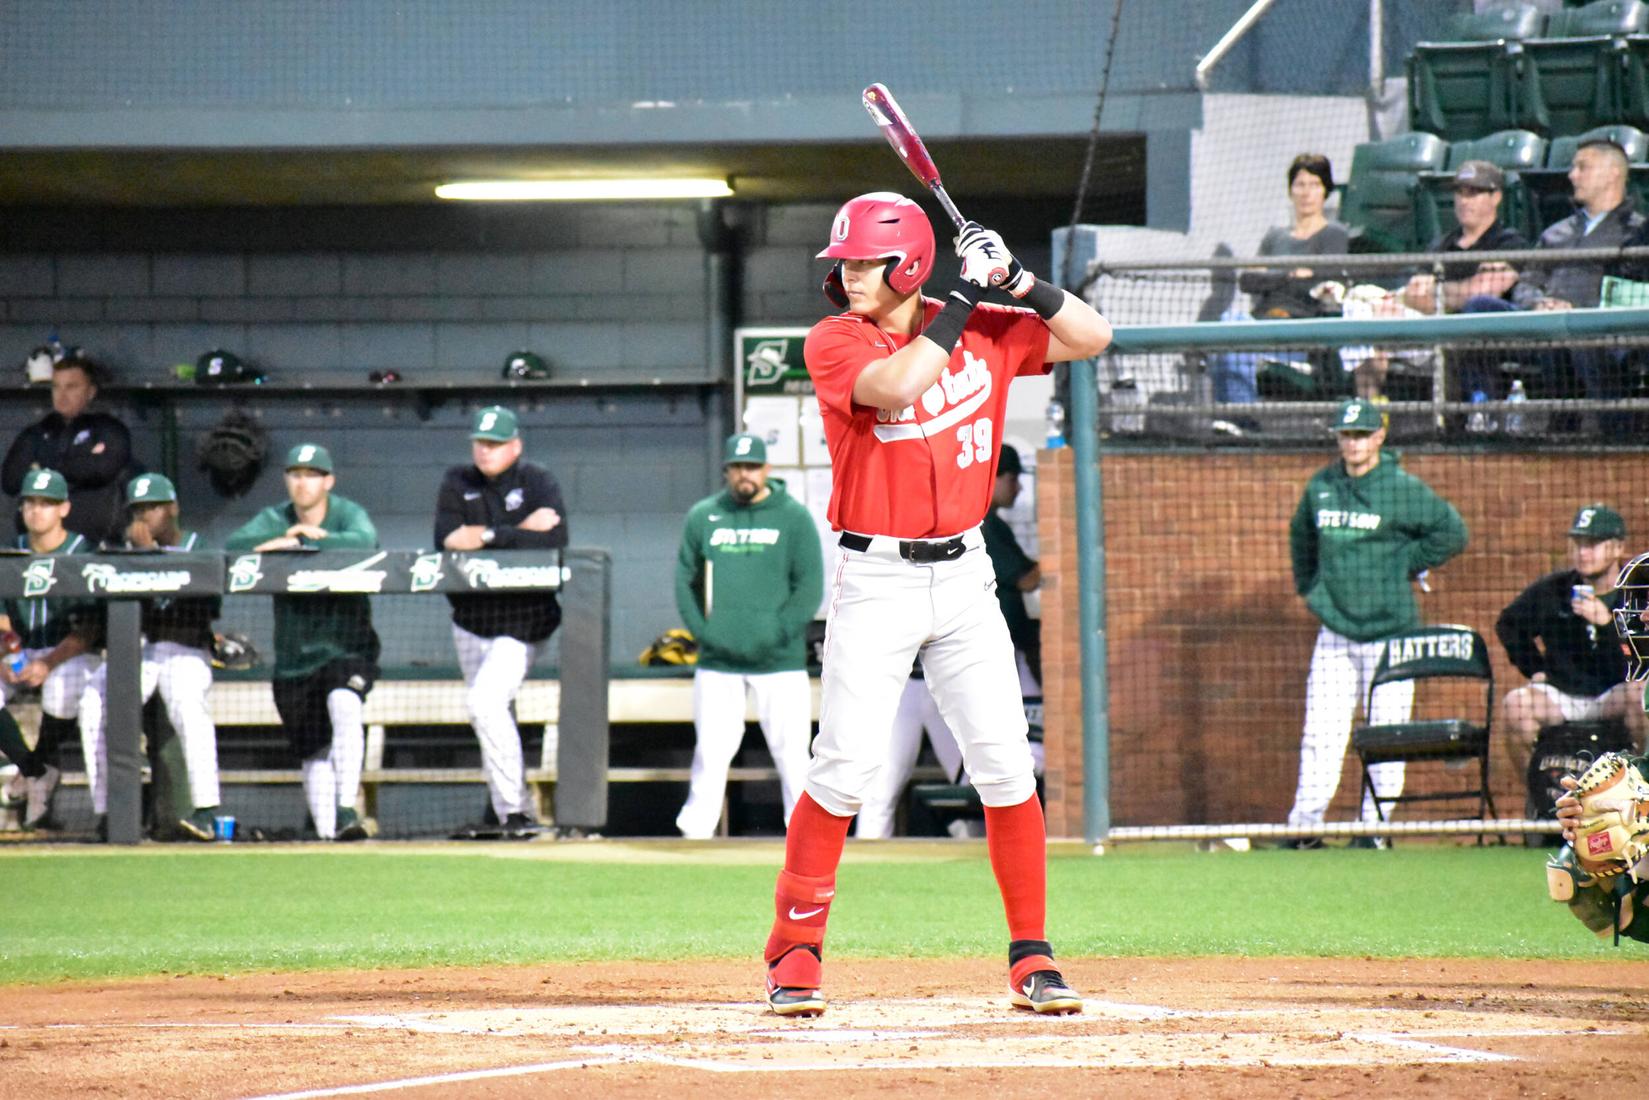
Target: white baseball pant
x: 183, y: 676
x: 60, y: 694
x: 332, y: 777
x: 784, y: 708
x: 882, y: 610
x: 1340, y: 673
x: 494, y: 669
x: 917, y: 713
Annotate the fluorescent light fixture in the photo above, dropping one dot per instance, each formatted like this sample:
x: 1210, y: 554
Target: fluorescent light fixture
x: 600, y: 190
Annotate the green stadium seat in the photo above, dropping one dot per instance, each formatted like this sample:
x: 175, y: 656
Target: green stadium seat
x: 1514, y: 151
x: 1378, y: 201
x: 1575, y: 76
x: 1466, y: 87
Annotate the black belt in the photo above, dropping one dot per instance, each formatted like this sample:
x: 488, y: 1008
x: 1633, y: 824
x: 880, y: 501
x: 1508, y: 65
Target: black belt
x: 912, y: 550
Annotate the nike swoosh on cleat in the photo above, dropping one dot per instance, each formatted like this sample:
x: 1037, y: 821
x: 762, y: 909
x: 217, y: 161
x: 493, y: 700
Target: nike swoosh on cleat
x: 803, y: 916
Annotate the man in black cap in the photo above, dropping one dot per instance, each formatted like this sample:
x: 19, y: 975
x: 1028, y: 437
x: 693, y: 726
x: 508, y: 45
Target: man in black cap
x: 1478, y: 190
x: 1560, y: 633
x: 500, y: 502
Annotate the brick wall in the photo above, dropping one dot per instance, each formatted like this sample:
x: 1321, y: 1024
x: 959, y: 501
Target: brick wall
x: 1209, y: 645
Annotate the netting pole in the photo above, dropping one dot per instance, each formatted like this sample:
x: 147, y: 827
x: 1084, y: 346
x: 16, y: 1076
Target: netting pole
x: 124, y: 720
x: 1090, y: 551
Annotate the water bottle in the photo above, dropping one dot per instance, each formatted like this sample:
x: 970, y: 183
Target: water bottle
x: 1514, y: 420
x: 1056, y: 425
x: 1125, y: 394
x: 1479, y: 421
x: 57, y: 349
x: 11, y: 645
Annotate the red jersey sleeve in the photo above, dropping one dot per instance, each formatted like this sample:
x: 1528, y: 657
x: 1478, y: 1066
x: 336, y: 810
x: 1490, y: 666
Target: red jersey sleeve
x: 836, y: 350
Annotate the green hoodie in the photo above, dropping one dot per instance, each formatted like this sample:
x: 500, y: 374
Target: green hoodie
x: 1357, y: 542
x: 313, y: 631
x: 766, y: 578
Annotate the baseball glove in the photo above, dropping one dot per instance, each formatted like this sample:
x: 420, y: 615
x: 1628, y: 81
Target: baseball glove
x: 234, y: 651
x: 1613, y: 834
x: 674, y: 647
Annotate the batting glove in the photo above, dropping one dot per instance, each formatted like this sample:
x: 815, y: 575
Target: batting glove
x: 986, y: 261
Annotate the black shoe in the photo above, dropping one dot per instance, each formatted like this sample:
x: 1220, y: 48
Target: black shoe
x: 1373, y: 843
x: 349, y: 825
x: 1302, y: 844
x: 520, y: 827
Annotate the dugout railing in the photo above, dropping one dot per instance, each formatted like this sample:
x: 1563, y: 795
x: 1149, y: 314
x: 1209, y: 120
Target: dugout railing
x: 571, y: 772
x: 1179, y: 525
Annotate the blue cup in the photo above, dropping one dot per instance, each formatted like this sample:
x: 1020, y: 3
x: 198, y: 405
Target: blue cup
x: 225, y: 826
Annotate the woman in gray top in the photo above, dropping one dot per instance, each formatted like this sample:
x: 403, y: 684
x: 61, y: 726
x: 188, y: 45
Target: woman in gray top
x: 1284, y: 293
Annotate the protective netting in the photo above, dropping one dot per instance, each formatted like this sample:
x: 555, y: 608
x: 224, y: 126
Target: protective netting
x: 1253, y: 585
x: 1511, y: 384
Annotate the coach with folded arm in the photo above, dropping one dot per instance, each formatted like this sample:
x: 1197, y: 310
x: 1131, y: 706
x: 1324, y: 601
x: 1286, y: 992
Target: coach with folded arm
x: 500, y: 502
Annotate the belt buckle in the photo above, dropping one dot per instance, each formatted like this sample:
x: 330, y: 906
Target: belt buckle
x: 926, y: 553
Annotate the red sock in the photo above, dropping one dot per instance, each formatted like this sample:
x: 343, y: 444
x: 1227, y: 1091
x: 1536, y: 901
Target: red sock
x: 801, y: 899
x: 1018, y: 843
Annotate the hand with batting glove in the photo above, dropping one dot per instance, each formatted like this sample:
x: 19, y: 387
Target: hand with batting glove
x: 986, y: 261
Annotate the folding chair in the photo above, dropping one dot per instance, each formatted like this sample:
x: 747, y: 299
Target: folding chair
x: 1431, y: 653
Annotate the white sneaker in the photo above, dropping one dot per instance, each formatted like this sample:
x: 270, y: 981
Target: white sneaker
x: 40, y: 796
x: 16, y: 789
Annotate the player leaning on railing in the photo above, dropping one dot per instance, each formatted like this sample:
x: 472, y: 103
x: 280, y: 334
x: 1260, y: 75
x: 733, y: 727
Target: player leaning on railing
x: 1602, y: 873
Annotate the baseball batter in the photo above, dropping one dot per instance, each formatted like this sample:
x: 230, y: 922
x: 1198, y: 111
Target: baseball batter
x: 500, y: 502
x: 326, y: 652
x: 177, y: 662
x: 58, y: 638
x: 912, y: 392
x: 749, y: 576
x: 1364, y: 529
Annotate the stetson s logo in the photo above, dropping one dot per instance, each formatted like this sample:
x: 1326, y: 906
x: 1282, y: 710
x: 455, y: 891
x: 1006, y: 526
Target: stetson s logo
x: 244, y: 573
x: 426, y: 572
x: 39, y: 577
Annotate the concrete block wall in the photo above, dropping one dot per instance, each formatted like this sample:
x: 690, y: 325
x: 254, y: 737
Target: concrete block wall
x: 1209, y: 645
x: 607, y: 294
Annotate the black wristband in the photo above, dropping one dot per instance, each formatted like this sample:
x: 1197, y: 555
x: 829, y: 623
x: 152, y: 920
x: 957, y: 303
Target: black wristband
x: 946, y: 329
x: 1045, y: 298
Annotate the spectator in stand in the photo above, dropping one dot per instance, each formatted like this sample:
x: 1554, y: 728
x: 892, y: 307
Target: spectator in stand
x: 1479, y: 188
x: 1277, y: 293
x: 1560, y: 633
x: 92, y: 450
x: 1605, y: 218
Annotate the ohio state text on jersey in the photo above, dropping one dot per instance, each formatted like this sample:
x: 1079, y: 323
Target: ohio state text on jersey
x: 925, y: 471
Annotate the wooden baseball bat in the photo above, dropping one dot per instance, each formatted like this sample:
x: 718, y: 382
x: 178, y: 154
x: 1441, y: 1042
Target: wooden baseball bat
x: 900, y: 134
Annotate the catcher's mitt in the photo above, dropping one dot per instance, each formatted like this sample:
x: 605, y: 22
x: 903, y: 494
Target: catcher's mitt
x: 1613, y: 834
x: 234, y: 651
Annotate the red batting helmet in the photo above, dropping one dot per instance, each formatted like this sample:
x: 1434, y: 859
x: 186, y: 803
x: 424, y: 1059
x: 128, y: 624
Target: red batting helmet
x: 876, y: 226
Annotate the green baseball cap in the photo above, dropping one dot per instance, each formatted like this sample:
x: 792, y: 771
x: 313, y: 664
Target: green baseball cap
x: 45, y: 484
x: 495, y: 423
x: 744, y: 449
x: 1597, y: 522
x: 150, y: 489
x: 309, y: 456
x: 1358, y: 415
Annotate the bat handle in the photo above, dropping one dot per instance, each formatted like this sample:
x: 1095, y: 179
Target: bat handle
x: 938, y: 190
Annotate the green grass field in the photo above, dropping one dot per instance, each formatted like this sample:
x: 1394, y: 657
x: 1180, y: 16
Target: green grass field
x: 101, y: 913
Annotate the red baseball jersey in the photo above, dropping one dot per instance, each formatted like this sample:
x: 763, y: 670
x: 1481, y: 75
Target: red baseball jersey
x: 928, y: 470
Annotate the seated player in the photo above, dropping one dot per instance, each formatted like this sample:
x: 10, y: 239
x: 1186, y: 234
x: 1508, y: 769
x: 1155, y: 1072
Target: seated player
x: 177, y: 662
x: 58, y: 639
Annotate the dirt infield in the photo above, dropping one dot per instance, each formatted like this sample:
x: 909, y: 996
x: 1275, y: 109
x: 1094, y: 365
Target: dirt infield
x: 1177, y: 1028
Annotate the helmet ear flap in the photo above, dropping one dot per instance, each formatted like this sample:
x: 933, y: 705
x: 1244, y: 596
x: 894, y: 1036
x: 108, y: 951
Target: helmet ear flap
x: 833, y: 288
